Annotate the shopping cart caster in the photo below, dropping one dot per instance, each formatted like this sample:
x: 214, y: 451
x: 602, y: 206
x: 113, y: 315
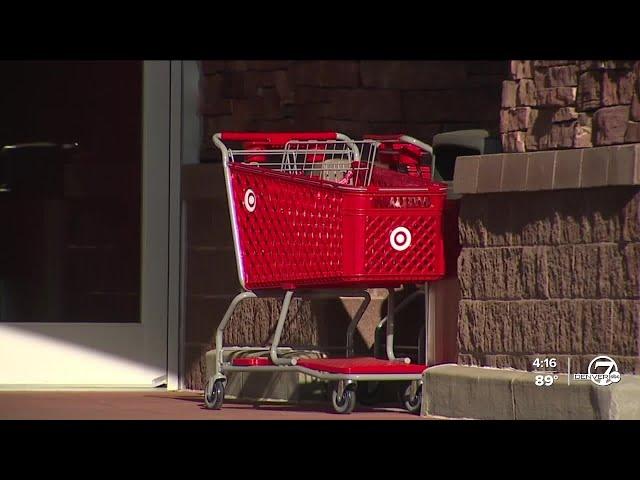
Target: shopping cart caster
x: 346, y: 402
x: 214, y: 394
x: 412, y: 401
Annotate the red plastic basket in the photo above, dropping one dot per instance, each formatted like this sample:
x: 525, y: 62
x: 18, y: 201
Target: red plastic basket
x: 294, y: 231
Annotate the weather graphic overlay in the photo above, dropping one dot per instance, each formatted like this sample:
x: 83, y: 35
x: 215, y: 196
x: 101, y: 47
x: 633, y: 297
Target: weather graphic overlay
x: 548, y: 376
x: 602, y: 371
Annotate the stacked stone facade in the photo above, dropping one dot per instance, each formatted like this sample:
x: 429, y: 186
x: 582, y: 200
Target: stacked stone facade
x: 550, y: 274
x: 559, y: 104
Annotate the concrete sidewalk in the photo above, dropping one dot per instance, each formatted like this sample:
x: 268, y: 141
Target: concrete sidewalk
x: 162, y: 405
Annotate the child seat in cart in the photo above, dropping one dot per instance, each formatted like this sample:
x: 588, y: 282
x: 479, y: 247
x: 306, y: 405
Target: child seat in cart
x: 317, y: 215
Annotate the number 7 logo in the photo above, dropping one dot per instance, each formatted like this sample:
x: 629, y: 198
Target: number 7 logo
x: 608, y: 363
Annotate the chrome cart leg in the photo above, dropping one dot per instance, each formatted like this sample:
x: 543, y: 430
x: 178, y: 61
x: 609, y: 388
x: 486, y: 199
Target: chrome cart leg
x: 428, y: 335
x: 273, y: 352
x: 220, y: 331
x: 378, y: 346
x: 351, y: 329
x: 214, y: 389
x: 390, y: 332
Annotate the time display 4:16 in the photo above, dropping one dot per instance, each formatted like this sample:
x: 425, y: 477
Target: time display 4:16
x: 545, y: 363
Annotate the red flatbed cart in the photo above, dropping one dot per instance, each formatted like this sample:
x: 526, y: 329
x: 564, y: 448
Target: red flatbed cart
x: 313, y: 217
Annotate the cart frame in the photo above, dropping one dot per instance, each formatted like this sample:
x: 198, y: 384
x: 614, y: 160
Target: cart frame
x: 343, y: 383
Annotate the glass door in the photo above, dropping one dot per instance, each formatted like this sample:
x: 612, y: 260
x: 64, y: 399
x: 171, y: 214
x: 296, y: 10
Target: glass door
x: 84, y: 187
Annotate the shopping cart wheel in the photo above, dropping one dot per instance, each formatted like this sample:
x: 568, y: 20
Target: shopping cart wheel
x: 214, y: 394
x: 344, y: 403
x: 412, y: 403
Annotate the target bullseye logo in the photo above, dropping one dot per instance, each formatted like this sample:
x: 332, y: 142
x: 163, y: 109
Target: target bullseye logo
x: 250, y: 200
x: 400, y: 238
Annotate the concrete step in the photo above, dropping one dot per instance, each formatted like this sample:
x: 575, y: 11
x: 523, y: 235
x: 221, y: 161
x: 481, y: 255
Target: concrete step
x: 501, y: 394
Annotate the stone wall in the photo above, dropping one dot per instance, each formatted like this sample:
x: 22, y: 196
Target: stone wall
x: 550, y: 273
x: 558, y: 104
x: 418, y: 98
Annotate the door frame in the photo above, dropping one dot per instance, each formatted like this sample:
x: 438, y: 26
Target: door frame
x: 185, y: 141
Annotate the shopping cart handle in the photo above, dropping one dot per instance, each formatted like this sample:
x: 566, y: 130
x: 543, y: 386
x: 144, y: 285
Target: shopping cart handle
x: 277, y: 138
x: 385, y: 138
x: 400, y: 138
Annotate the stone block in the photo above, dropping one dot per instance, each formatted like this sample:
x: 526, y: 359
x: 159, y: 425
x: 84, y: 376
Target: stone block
x: 556, y: 97
x: 567, y: 169
x: 526, y: 93
x: 212, y: 271
x: 617, y: 87
x: 597, y: 326
x: 563, y: 134
x: 559, y: 268
x: 605, y: 64
x: 509, y: 88
x: 492, y: 394
x: 521, y: 69
x: 626, y: 327
x: 540, y: 170
x: 630, y: 215
x: 490, y: 173
x: 514, y: 172
x: 589, y: 91
x: 595, y: 167
x: 465, y: 177
x: 497, y: 330
x: 532, y: 268
x: 497, y: 229
x: 468, y: 392
x: 514, y: 119
x: 563, y: 76
x: 635, y: 108
x: 583, y: 134
x: 610, y: 125
x: 471, y: 326
x: 589, y: 270
x: 564, y: 114
x: 326, y: 73
x: 556, y: 402
x: 629, y: 286
x: 469, y: 105
x: 471, y: 220
x: 632, y: 133
x: 413, y: 75
x: 624, y: 167
x: 514, y: 142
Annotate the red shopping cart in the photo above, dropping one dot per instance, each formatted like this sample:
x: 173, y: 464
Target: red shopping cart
x: 313, y: 216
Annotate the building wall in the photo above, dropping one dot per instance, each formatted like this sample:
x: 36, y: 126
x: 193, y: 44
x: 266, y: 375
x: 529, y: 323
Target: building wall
x: 419, y: 98
x: 559, y: 104
x: 550, y: 240
x: 555, y: 273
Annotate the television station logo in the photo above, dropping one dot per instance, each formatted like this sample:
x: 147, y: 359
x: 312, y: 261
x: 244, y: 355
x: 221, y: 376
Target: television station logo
x: 603, y: 371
